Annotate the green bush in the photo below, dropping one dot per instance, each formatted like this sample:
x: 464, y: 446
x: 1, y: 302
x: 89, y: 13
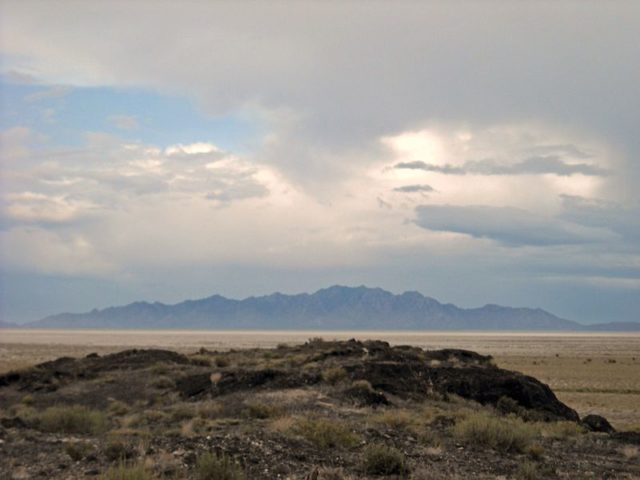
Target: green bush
x: 218, y: 467
x: 505, y: 434
x: 72, y: 419
x: 127, y: 472
x: 326, y: 434
x: 383, y: 460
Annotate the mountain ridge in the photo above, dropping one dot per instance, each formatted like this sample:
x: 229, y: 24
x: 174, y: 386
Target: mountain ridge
x: 332, y: 308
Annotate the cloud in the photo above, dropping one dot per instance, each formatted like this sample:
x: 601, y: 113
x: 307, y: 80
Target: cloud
x: 510, y: 226
x: 414, y: 189
x: 420, y: 165
x: 380, y: 74
x: 530, y: 166
x: 598, y: 213
x: 124, y: 122
x: 108, y: 175
x: 507, y: 119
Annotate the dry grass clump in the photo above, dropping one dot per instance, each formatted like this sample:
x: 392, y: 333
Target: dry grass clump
x: 72, y: 419
x: 78, y: 450
x: 261, y: 410
x: 528, y: 471
x: 218, y: 467
x: 118, y: 408
x: 630, y: 452
x: 334, y: 375
x: 395, y: 419
x: 535, y: 451
x: 201, y: 360
x: 324, y: 433
x: 118, y: 450
x: 561, y: 430
x: 328, y: 473
x: 163, y: 383
x: 123, y: 471
x: 210, y: 410
x: 506, y: 434
x: 221, y: 362
x: 183, y: 411
x: 383, y: 460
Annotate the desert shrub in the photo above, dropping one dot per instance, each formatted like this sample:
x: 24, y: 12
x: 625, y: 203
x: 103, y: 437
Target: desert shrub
x: 500, y: 433
x: 535, y: 451
x: 363, y: 385
x: 326, y: 434
x: 78, y: 450
x: 118, y: 408
x: 383, y: 460
x: 508, y: 405
x: 393, y: 418
x: 118, y: 450
x: 328, y: 473
x: 260, y: 410
x: 334, y: 375
x: 221, y: 362
x: 561, y: 430
x: 218, y: 467
x: 123, y: 471
x: 201, y: 360
x: 182, y: 412
x: 27, y: 399
x: 210, y: 410
x: 160, y: 368
x: 72, y: 419
x: 163, y: 383
x: 528, y: 471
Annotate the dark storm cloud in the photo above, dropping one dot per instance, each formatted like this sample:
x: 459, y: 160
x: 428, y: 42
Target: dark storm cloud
x: 414, y: 189
x: 509, y: 226
x: 550, y: 164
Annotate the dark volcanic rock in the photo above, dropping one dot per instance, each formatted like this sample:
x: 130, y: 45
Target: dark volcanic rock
x: 13, y: 422
x: 192, y: 385
x: 596, y: 423
x: 49, y: 376
x: 489, y: 385
x: 412, y: 373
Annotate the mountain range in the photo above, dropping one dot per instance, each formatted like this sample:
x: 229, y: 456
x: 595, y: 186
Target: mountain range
x: 333, y: 308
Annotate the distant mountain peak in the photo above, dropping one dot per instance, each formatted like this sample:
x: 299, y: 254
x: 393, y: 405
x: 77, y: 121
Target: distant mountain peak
x: 337, y: 307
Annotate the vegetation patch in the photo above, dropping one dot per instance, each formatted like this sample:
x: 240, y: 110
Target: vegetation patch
x: 334, y: 375
x: 78, y: 450
x: 72, y: 419
x: 505, y: 434
x: 123, y: 471
x: 218, y: 467
x: 325, y: 433
x: 380, y: 459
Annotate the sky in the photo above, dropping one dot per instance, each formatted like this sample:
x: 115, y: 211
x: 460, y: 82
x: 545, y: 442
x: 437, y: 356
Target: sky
x: 477, y: 152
